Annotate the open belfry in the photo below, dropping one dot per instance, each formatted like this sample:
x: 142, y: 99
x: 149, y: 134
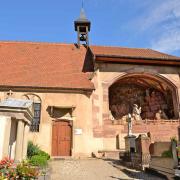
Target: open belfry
x: 75, y: 99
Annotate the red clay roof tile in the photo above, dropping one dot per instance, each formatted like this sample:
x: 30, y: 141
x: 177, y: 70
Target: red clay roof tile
x: 43, y: 65
x: 28, y: 64
x: 131, y: 53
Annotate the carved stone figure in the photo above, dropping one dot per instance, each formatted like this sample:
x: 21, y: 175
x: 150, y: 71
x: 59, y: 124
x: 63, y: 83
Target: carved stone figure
x: 111, y: 116
x: 160, y: 115
x: 136, y: 113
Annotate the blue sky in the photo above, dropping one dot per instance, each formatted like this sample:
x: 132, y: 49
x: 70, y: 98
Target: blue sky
x: 132, y: 23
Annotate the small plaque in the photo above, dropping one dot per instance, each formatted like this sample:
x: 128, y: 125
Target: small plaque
x: 78, y: 131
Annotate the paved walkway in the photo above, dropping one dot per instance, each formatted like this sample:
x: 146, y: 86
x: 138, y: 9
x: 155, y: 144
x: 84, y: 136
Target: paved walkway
x: 94, y: 170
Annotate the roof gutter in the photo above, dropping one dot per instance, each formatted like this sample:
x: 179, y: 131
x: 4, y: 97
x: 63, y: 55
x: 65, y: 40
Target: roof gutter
x: 45, y: 89
x: 137, y: 60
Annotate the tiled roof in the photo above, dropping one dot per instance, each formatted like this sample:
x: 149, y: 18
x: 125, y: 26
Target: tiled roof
x: 131, y: 53
x: 27, y: 64
x: 53, y: 65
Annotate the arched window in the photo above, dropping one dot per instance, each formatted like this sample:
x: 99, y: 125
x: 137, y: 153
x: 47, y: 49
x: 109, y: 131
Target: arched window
x: 37, y: 111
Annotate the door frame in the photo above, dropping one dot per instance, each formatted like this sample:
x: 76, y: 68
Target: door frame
x: 71, y: 124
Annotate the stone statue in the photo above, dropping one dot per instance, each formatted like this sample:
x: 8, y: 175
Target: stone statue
x: 160, y: 115
x: 129, y: 120
x: 136, y: 113
x: 111, y: 116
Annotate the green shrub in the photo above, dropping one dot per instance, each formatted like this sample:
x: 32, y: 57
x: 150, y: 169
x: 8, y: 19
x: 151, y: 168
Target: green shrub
x: 42, y: 153
x: 38, y: 160
x: 32, y: 149
x: 167, y: 153
x: 36, y: 156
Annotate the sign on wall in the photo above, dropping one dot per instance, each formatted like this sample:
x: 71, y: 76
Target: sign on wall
x: 78, y: 131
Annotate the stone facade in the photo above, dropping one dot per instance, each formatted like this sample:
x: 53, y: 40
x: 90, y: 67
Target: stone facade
x: 106, y: 129
x: 81, y: 117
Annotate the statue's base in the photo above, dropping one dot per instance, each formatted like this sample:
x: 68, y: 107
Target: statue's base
x: 130, y: 143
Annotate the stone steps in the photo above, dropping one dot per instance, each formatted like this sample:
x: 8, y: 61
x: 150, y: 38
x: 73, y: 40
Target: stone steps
x: 111, y: 154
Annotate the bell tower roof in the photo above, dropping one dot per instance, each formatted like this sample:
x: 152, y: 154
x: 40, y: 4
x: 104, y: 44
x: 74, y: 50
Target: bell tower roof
x: 82, y: 16
x: 82, y: 20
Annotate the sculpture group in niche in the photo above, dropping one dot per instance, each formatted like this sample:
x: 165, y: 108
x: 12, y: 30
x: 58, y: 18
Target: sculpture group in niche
x: 141, y: 103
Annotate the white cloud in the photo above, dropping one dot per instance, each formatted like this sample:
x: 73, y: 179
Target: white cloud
x: 168, y: 42
x: 164, y: 19
x: 160, y: 12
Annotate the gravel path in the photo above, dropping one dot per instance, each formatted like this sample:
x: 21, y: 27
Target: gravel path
x: 94, y: 170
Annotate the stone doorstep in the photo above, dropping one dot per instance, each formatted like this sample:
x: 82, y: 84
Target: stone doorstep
x: 61, y: 157
x: 111, y: 151
x: 112, y: 154
x: 57, y: 158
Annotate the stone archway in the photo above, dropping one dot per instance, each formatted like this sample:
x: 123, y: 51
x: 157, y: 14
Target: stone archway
x: 151, y: 92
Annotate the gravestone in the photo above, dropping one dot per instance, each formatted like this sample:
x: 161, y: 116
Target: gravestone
x: 174, y: 153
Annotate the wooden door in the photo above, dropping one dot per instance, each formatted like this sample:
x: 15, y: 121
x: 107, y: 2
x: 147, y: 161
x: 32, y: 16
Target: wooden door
x: 61, y: 138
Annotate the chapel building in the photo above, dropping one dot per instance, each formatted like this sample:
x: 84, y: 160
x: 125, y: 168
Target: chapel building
x: 82, y: 94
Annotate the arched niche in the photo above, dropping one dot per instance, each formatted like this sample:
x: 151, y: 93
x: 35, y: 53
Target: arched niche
x: 150, y: 92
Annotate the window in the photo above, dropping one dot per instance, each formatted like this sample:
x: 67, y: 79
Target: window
x: 36, y: 119
x: 34, y: 127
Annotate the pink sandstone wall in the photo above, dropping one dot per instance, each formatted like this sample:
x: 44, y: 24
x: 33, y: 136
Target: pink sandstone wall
x: 103, y: 128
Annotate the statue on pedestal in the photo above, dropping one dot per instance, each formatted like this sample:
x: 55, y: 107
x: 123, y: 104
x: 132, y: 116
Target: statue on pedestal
x: 130, y: 144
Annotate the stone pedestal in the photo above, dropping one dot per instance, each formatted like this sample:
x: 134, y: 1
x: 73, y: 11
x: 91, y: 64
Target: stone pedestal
x: 142, y: 148
x: 142, y: 144
x: 130, y: 143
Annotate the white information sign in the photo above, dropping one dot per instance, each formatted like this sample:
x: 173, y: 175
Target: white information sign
x: 78, y: 131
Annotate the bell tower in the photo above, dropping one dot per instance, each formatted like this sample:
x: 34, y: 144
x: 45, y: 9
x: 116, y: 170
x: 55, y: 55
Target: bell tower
x: 82, y: 26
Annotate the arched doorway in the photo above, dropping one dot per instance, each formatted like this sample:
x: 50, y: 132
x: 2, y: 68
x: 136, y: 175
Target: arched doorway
x: 149, y: 92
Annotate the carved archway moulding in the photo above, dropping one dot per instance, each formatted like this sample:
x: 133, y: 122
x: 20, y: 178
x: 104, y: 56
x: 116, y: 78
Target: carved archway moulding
x: 165, y: 78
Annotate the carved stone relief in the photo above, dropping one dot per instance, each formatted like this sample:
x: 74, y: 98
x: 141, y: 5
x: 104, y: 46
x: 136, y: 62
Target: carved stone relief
x: 123, y: 97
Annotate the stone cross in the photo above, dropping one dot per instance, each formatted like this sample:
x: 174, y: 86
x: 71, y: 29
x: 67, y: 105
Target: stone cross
x: 10, y: 93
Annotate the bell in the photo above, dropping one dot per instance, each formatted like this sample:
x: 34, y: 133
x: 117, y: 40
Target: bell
x: 83, y: 37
